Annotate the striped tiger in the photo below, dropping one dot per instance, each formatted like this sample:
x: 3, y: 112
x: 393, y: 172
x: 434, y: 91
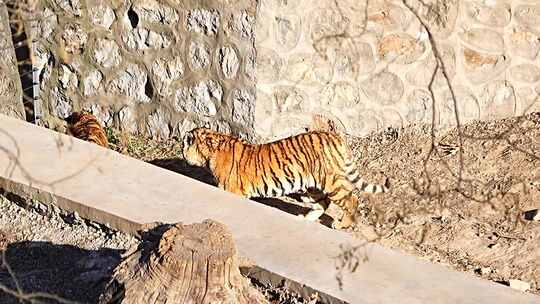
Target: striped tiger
x: 85, y: 126
x: 318, y: 164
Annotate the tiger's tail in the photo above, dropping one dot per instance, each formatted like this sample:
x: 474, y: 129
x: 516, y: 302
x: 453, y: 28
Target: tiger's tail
x: 354, y: 177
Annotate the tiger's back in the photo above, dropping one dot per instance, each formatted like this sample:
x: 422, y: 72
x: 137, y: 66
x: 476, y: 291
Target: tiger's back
x: 85, y: 126
x: 317, y: 163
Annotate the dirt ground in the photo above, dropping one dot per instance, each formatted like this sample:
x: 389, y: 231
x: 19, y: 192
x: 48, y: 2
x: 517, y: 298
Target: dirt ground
x: 465, y: 211
x: 462, y: 209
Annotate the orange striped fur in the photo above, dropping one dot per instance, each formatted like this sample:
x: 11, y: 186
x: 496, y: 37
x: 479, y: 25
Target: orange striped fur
x: 85, y: 126
x: 310, y: 163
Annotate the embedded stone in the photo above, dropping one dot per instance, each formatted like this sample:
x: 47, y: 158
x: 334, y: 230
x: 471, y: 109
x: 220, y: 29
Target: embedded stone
x: 341, y: 95
x: 264, y: 107
x: 388, y: 16
x: 363, y: 123
x: 143, y: 39
x: 383, y: 88
x: 250, y: 65
x: 287, y: 31
x: 440, y: 16
x: 243, y: 106
x: 199, y: 55
x: 8, y: 87
x: 202, y: 98
x: 481, y: 67
x: 525, y: 42
x: 155, y: 12
x: 419, y: 106
x: 289, y: 99
x: 400, y: 48
x: 352, y: 58
x: 62, y: 106
x: 391, y: 118
x: 157, y: 124
x: 497, y: 100
x: 525, y: 72
x: 128, y: 122
x: 467, y: 108
x: 67, y: 77
x: 107, y: 53
x: 228, y: 61
x: 483, y: 40
x: 184, y: 126
x: 527, y: 14
x: 309, y: 69
x: 74, y: 38
x: 102, y: 113
x: 72, y: 7
x: 101, y: 15
x: 497, y: 14
x: 46, y: 24
x: 203, y: 21
x: 289, y: 124
x: 326, y: 22
x: 527, y: 100
x: 243, y: 25
x: 91, y: 83
x: 167, y: 70
x: 269, y: 66
x: 131, y: 82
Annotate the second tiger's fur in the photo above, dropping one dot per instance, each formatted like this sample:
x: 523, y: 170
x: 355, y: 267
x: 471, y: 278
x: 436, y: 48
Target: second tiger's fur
x: 313, y: 162
x: 85, y: 126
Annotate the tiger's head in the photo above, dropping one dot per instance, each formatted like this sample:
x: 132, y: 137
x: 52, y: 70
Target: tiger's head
x: 200, y: 145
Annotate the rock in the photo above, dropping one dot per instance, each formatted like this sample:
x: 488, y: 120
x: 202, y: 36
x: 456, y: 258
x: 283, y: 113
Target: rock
x: 128, y: 122
x: 167, y: 70
x: 388, y: 16
x: 74, y: 38
x: 131, y: 82
x: 199, y: 55
x: 524, y: 42
x: 67, y: 77
x: 46, y: 24
x: 92, y: 82
x: 340, y: 95
x: 101, y: 15
x: 102, y: 112
x: 72, y: 7
x: 62, y: 105
x: 483, y: 40
x: 157, y: 124
x: 532, y: 215
x: 497, y: 15
x: 269, y: 66
x: 419, y: 106
x: 287, y: 31
x: 481, y: 67
x: 527, y: 14
x: 326, y: 22
x: 383, y: 88
x: 202, y: 98
x: 228, y: 61
x: 289, y: 99
x: 243, y: 25
x: 243, y: 106
x: 519, y: 285
x: 155, y: 12
x: 141, y: 39
x: 525, y: 72
x: 497, y: 100
x: 440, y: 16
x: 106, y: 53
x: 203, y: 21
x: 400, y: 48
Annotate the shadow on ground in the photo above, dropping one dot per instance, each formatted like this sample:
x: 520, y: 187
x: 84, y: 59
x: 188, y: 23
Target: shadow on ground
x: 62, y: 270
x: 179, y: 165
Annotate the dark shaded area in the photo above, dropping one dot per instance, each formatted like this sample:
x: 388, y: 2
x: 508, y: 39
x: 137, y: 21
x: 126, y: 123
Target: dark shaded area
x: 62, y: 270
x: 530, y: 215
x: 133, y: 17
x: 179, y: 165
x: 22, y: 54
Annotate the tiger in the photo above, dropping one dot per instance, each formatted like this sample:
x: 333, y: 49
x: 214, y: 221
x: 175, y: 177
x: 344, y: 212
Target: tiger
x: 85, y: 126
x: 318, y: 164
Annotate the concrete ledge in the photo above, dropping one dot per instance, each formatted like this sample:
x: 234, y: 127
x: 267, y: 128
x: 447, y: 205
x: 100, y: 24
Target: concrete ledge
x: 107, y: 187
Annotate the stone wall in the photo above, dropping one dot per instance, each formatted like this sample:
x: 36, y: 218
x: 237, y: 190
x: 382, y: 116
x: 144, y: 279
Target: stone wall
x: 11, y: 102
x: 365, y: 68
x: 156, y: 67
x: 278, y: 67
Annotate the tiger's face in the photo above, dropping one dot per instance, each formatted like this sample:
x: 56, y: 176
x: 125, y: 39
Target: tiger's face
x: 200, y: 145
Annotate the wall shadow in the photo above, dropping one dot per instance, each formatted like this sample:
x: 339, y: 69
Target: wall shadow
x: 179, y: 165
x: 66, y: 271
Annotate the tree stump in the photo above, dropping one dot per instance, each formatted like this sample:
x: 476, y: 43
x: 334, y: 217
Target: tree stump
x: 189, y: 264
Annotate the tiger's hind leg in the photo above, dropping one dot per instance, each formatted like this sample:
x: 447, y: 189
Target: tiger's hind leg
x: 341, y: 193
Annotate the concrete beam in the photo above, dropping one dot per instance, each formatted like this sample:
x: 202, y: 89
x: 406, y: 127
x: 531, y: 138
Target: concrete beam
x: 107, y: 187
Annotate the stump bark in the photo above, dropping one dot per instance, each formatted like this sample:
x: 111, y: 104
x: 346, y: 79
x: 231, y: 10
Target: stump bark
x: 189, y: 264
